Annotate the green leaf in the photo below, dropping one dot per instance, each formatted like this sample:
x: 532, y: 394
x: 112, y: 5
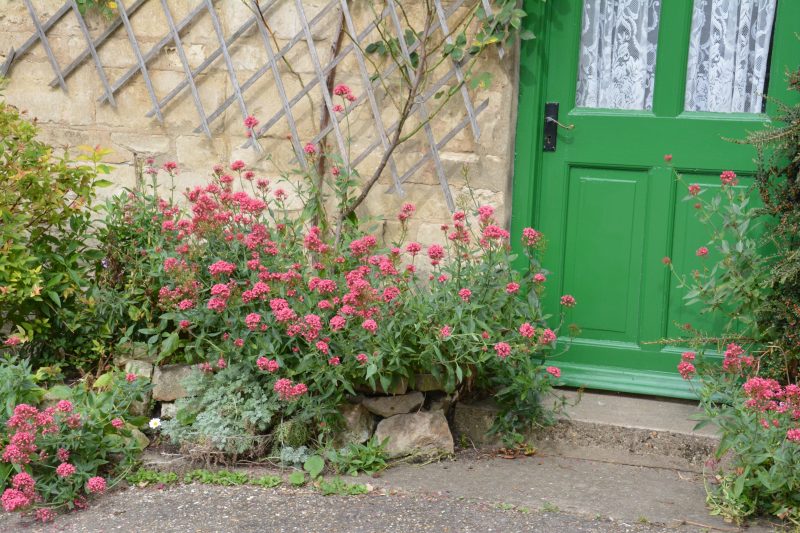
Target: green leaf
x: 103, y: 381
x: 169, y: 346
x: 297, y: 478
x: 314, y: 466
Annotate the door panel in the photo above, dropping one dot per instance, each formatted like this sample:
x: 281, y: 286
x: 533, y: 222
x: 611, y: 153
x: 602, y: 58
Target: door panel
x: 609, y: 204
x: 605, y: 217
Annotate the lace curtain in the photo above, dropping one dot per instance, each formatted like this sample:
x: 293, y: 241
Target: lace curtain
x: 618, y: 54
x: 728, y: 55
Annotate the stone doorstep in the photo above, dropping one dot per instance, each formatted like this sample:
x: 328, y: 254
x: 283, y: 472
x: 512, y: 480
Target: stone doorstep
x: 652, y: 432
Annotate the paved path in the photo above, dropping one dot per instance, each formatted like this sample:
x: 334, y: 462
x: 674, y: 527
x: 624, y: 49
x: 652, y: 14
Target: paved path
x: 590, y: 491
x: 203, y: 508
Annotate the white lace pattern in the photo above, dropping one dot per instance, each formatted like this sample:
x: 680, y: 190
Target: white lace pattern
x: 728, y: 55
x: 618, y: 54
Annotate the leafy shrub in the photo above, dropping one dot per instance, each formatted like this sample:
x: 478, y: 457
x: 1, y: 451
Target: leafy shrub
x: 229, y: 410
x: 46, y: 259
x: 120, y: 305
x: 757, y: 415
x: 778, y: 181
x: 344, y: 316
x: 758, y: 422
x: 54, y: 458
x: 369, y: 457
x: 18, y: 384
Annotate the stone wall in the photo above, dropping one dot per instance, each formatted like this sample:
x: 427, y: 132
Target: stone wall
x: 77, y: 117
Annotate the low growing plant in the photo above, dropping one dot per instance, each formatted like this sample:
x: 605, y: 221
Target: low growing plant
x: 46, y: 257
x: 758, y: 417
x: 56, y: 457
x: 369, y: 457
x: 337, y: 487
x: 303, y: 322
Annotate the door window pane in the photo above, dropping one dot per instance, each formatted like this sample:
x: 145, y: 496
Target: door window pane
x: 618, y: 54
x: 728, y: 55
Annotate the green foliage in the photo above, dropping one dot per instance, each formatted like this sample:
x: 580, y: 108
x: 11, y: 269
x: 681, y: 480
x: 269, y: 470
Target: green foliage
x: 297, y: 478
x: 337, y: 487
x: 753, y: 279
x: 18, y: 384
x: 89, y: 430
x: 229, y: 411
x: 295, y: 457
x: 107, y: 8
x: 314, y: 465
x: 121, y: 305
x: 267, y: 481
x: 45, y: 227
x: 778, y: 181
x: 219, y: 477
x: 144, y: 476
x: 369, y: 457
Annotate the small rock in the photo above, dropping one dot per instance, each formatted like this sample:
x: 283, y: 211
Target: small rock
x: 416, y: 433
x: 387, y: 406
x: 358, y: 425
x: 169, y: 410
x: 167, y: 380
x: 140, y: 438
x: 141, y: 369
x: 438, y: 401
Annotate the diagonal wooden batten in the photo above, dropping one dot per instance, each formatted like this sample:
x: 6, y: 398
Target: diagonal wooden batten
x: 476, y: 131
x: 228, y: 63
x: 96, y: 43
x: 271, y: 65
x: 373, y: 104
x: 140, y: 61
x: 16, y: 53
x: 176, y: 38
x: 272, y: 60
x: 93, y: 51
x: 208, y: 61
x: 326, y: 96
x: 423, y: 112
x: 46, y: 45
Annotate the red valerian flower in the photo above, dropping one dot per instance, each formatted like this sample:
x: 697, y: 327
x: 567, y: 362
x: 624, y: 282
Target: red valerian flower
x: 96, y: 485
x: 701, y: 252
x: 728, y: 177
x: 503, y: 349
x: 553, y: 371
x: 694, y: 189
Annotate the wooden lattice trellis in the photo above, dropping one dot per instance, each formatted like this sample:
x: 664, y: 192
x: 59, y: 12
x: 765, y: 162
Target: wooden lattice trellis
x: 172, y: 38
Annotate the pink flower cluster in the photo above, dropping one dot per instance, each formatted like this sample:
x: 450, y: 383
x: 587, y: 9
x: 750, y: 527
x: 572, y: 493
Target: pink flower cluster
x: 287, y: 390
x: 268, y: 365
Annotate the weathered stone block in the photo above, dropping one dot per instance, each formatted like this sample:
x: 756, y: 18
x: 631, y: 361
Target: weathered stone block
x: 358, y: 425
x: 387, y: 406
x: 139, y: 368
x: 167, y: 380
x: 423, y: 434
x: 168, y: 410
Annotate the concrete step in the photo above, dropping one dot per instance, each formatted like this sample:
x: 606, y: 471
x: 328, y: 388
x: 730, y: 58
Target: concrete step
x: 619, y: 428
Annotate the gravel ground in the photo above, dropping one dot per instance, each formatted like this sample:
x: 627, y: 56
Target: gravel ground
x: 205, y: 508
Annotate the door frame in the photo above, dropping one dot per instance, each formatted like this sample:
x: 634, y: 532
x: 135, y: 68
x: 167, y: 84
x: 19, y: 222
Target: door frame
x: 532, y: 68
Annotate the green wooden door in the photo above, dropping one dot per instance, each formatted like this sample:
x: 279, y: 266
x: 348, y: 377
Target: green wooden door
x: 605, y: 198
